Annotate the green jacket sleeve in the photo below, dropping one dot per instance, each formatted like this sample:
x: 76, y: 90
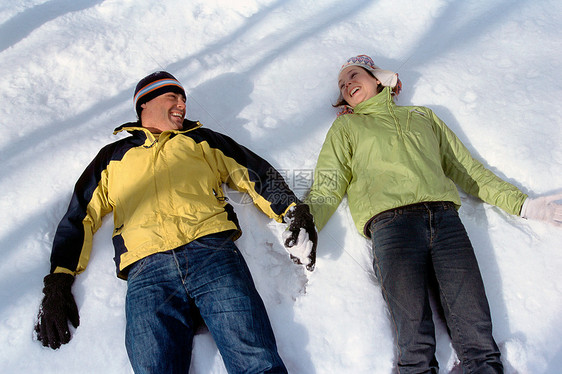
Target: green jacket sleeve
x: 332, y: 174
x: 469, y: 174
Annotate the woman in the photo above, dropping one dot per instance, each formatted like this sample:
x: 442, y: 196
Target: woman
x: 399, y: 166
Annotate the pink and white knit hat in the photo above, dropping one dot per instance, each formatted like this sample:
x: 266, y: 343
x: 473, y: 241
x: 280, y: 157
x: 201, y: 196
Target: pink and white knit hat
x: 386, y: 77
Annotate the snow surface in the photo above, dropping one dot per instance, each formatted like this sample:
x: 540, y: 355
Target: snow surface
x: 264, y: 72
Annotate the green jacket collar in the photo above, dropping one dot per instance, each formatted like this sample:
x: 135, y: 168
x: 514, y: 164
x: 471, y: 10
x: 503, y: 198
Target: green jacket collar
x: 376, y: 104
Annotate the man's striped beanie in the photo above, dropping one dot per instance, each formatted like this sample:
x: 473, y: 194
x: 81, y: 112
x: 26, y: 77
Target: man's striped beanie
x: 154, y: 85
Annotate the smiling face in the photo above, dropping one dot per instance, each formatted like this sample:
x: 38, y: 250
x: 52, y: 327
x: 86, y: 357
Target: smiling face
x: 164, y: 112
x: 357, y: 85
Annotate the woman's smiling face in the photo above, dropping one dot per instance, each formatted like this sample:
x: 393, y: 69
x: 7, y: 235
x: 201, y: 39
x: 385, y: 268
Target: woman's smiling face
x: 357, y: 85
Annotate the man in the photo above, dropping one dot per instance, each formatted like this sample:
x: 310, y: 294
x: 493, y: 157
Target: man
x: 174, y: 238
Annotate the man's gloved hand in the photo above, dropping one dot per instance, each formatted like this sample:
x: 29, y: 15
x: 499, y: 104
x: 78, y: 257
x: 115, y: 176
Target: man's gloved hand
x: 300, y: 238
x: 544, y: 209
x: 57, y: 309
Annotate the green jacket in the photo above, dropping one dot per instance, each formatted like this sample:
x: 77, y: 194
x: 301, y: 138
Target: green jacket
x: 386, y: 156
x: 164, y: 192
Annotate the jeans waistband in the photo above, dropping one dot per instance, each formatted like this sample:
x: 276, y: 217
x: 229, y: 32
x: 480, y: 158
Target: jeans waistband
x: 428, y: 205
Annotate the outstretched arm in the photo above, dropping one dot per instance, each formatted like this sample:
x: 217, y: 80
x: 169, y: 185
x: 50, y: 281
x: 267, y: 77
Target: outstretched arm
x: 247, y: 172
x: 71, y: 248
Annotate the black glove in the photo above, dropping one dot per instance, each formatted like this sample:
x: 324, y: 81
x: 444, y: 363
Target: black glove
x: 302, y: 251
x: 57, y: 309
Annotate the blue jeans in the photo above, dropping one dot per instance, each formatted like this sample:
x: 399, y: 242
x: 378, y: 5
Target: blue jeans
x: 412, y: 245
x: 211, y: 274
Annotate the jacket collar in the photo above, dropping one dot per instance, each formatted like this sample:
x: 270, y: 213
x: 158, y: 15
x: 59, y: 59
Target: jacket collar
x: 376, y: 104
x: 136, y: 128
x: 145, y: 136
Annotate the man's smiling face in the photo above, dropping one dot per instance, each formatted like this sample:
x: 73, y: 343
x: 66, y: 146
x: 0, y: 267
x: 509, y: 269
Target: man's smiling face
x: 164, y: 112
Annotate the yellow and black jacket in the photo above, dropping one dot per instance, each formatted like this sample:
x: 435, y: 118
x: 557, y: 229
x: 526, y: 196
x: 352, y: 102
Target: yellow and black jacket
x: 164, y: 192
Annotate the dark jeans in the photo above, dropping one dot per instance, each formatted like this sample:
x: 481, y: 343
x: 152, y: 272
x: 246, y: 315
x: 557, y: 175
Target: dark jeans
x: 211, y: 273
x: 412, y: 244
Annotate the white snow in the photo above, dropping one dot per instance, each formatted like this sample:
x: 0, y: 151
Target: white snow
x: 264, y: 72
